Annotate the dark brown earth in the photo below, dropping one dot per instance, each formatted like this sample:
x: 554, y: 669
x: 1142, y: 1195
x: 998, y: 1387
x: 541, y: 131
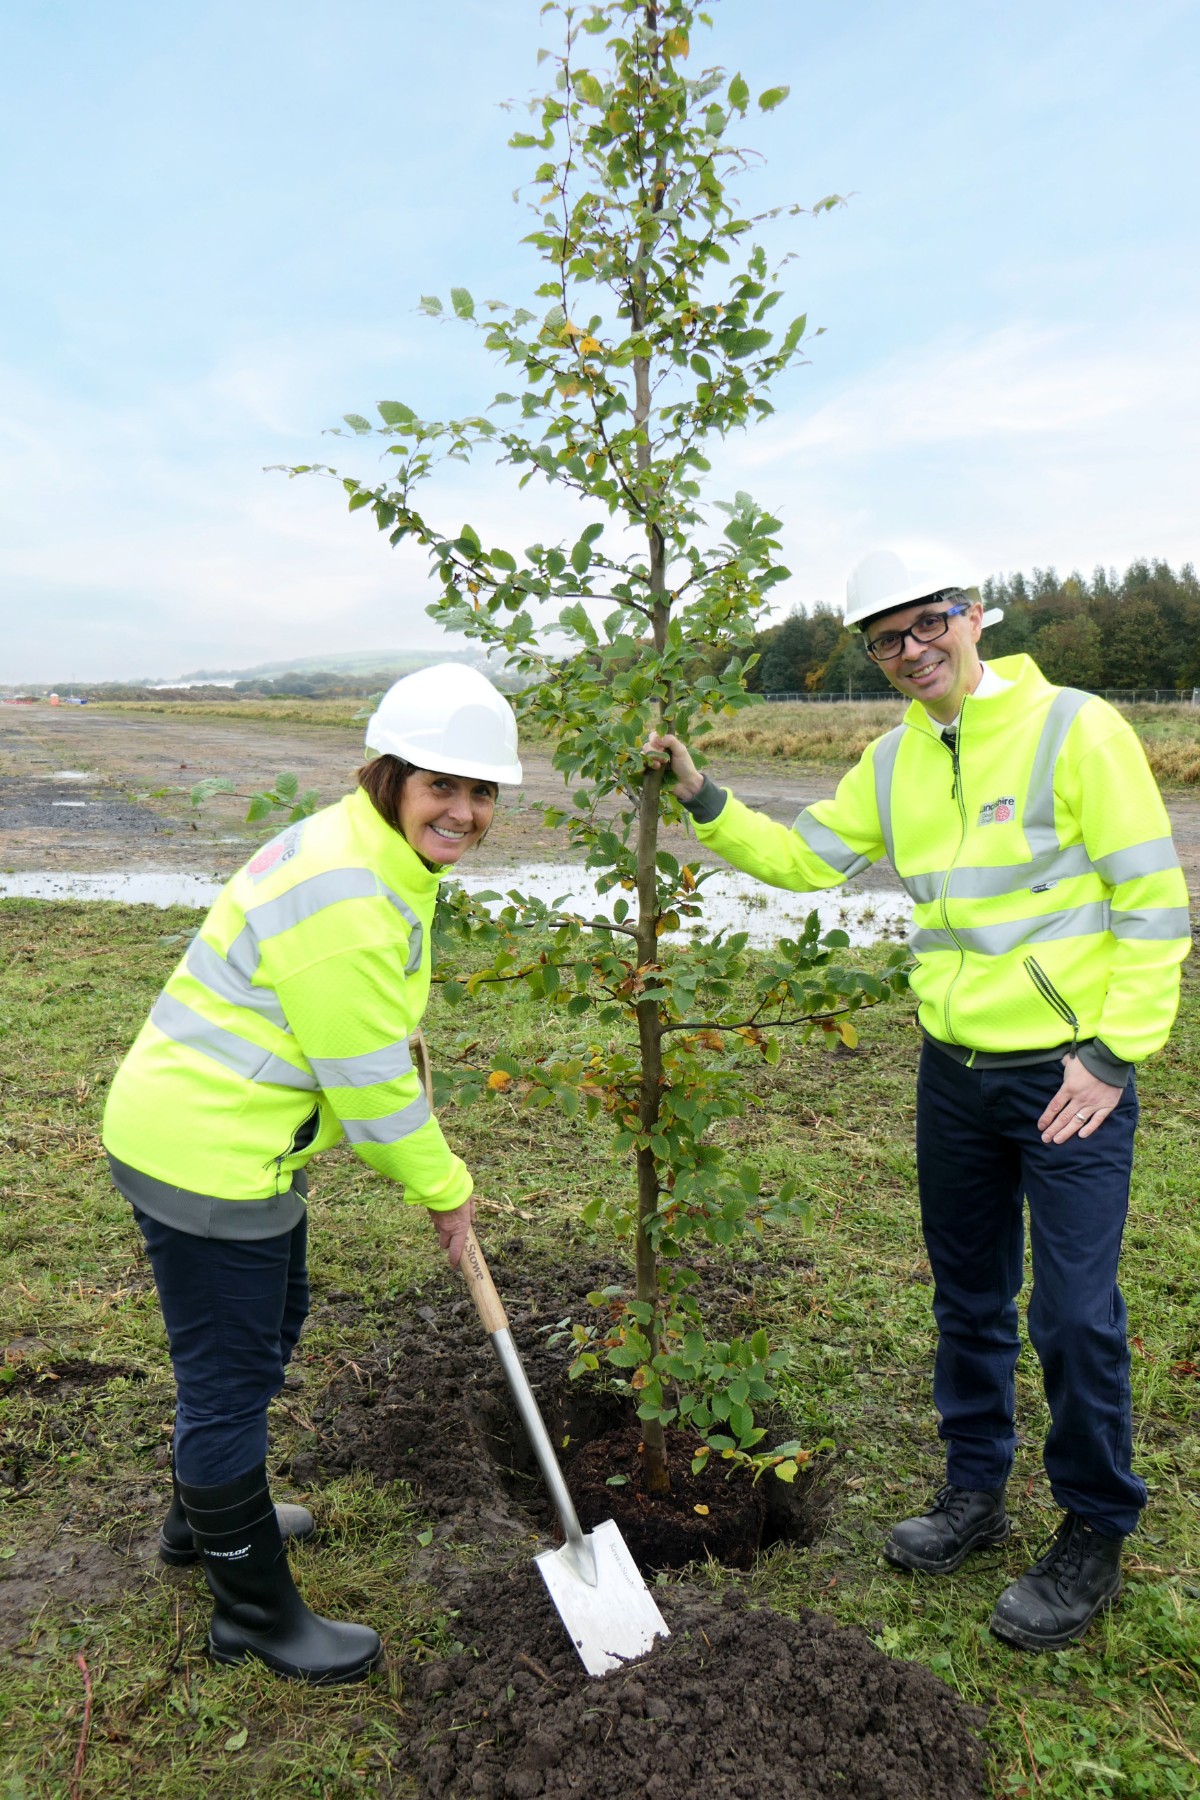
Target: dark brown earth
x: 739, y: 1702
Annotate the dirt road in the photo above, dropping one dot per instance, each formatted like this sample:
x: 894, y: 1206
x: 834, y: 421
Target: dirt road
x: 52, y: 820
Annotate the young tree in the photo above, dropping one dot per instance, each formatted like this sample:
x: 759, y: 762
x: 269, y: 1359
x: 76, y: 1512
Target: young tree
x: 653, y: 337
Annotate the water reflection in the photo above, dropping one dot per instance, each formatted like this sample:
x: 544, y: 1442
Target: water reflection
x: 732, y: 902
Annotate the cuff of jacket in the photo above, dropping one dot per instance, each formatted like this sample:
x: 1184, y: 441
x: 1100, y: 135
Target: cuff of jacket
x: 1100, y: 1061
x: 708, y: 804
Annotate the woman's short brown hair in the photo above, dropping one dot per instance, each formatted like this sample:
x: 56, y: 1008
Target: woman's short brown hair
x: 383, y: 778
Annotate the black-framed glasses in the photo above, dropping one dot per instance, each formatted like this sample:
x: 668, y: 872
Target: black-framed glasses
x: 925, y: 630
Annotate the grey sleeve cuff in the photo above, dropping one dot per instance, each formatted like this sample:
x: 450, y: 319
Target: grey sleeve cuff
x: 708, y: 804
x: 1099, y: 1061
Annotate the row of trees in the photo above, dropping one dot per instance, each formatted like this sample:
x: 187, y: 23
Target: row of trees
x: 1137, y: 630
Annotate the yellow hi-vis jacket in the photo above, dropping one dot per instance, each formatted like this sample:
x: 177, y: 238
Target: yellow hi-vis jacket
x: 286, y: 1025
x: 1049, y: 905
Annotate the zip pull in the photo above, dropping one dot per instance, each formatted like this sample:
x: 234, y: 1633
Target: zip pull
x: 950, y: 739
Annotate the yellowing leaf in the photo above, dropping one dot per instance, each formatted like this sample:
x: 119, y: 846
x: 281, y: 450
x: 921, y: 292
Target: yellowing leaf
x: 499, y: 1081
x: 676, y: 43
x: 847, y: 1033
x: 702, y: 1510
x: 588, y: 343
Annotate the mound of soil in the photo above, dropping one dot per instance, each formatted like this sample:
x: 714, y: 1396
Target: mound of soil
x: 739, y: 1702
x: 707, y: 1514
x: 432, y: 1407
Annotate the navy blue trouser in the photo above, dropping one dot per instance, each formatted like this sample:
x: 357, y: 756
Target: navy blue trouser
x: 979, y: 1156
x: 233, y: 1313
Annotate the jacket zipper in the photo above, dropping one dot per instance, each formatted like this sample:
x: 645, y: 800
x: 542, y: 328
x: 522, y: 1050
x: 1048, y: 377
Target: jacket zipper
x: 1052, y: 997
x: 955, y: 794
x: 302, y: 1137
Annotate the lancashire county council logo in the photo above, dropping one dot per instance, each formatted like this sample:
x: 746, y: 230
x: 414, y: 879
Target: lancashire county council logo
x: 998, y: 812
x: 279, y: 850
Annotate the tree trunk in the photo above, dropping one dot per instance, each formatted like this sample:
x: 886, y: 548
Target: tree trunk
x: 649, y: 1019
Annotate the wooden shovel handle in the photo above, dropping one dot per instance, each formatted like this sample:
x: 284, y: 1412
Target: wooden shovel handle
x: 473, y: 1266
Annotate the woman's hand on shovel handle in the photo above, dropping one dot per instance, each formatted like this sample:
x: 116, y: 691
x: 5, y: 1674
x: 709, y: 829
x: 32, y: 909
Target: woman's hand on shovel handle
x: 659, y: 749
x: 452, y: 1228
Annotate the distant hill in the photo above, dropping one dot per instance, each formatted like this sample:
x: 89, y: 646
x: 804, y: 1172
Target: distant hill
x: 350, y: 662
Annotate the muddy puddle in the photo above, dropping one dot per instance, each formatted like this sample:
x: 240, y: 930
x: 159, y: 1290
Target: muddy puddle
x: 732, y: 902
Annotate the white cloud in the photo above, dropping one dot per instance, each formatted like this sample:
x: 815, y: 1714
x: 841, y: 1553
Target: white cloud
x: 1018, y: 447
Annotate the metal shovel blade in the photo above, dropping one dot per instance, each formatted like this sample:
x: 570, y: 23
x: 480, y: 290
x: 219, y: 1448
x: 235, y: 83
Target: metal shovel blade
x: 593, y: 1581
x: 613, y: 1621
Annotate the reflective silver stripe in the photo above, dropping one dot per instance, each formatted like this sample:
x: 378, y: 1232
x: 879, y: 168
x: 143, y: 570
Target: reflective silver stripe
x: 1151, y: 858
x: 367, y: 1070
x: 392, y: 1127
x: 992, y: 884
x: 886, y: 752
x: 1037, y: 814
x: 828, y: 845
x: 308, y: 898
x: 251, y: 1061
x: 924, y: 889
x: 1159, y: 922
x: 998, y: 940
x: 208, y: 967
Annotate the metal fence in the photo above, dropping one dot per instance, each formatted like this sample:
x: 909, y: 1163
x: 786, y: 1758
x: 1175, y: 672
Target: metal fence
x: 1119, y: 697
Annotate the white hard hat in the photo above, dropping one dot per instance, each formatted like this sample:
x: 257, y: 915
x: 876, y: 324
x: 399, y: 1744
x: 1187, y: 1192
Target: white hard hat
x: 450, y: 719
x: 881, y: 583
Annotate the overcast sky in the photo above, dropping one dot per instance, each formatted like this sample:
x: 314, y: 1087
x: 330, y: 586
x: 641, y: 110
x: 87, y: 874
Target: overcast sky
x: 217, y: 219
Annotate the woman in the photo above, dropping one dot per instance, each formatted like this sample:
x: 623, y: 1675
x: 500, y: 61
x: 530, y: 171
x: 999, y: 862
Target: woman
x: 286, y: 1027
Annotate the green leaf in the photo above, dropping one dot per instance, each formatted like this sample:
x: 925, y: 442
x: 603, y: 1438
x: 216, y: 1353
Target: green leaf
x: 581, y: 558
x: 430, y: 304
x: 589, y: 89
x: 393, y: 413
x: 425, y: 1538
x: 237, y: 1740
x: 462, y: 302
x: 259, y: 808
x: 773, y: 97
x: 357, y: 423
x: 739, y: 93
x: 287, y: 786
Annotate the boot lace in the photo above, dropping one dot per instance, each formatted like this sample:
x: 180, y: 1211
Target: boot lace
x: 1061, y: 1556
x: 954, y: 1502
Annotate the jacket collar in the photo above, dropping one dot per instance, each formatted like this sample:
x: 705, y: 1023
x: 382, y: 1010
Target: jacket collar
x: 997, y: 711
x: 390, y: 855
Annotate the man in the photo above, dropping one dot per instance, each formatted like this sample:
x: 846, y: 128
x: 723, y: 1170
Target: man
x: 1050, y: 920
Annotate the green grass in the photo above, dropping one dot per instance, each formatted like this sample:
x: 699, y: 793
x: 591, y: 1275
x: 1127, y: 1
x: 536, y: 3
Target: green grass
x: 1118, y: 1715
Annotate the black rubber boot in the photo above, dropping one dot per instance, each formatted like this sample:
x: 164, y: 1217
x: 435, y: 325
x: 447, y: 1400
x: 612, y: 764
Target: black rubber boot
x: 177, y: 1546
x: 258, y: 1611
x: 1075, y: 1577
x: 959, y: 1521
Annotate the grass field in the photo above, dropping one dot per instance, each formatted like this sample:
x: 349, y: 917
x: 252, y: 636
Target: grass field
x: 82, y: 1474
x: 834, y: 735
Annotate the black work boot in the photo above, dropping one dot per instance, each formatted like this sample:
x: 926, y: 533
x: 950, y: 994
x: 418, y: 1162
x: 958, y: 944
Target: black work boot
x: 1076, y: 1576
x: 177, y: 1546
x: 959, y: 1521
x: 258, y: 1611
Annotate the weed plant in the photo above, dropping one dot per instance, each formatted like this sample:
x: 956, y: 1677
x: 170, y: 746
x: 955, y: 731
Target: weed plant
x: 83, y: 1477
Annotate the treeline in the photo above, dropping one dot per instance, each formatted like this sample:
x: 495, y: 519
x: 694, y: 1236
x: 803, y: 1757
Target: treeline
x: 1138, y: 630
